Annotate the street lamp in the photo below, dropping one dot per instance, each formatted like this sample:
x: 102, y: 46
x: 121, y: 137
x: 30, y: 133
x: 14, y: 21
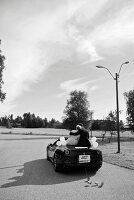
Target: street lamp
x: 117, y: 100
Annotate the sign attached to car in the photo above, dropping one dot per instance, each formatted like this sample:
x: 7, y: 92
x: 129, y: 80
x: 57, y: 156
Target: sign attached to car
x: 84, y: 158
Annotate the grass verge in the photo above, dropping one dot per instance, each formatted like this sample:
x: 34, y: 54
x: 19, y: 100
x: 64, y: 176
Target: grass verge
x: 126, y: 156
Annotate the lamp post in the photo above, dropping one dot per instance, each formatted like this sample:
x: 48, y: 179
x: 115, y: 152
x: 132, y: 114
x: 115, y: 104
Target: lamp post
x: 117, y: 99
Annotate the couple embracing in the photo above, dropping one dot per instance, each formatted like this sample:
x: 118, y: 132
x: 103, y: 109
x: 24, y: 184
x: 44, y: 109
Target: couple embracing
x: 79, y: 137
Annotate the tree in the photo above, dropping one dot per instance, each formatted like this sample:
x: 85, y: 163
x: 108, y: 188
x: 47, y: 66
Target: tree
x: 45, y: 122
x: 52, y: 123
x: 39, y: 122
x: 111, y: 123
x: 129, y: 96
x: 27, y: 120
x: 2, y: 66
x: 17, y: 122
x: 76, y: 110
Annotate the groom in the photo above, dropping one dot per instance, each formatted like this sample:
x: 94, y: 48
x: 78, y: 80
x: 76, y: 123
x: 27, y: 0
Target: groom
x: 84, y: 136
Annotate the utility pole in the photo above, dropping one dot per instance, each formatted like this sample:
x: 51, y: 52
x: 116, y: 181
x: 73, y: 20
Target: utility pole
x: 117, y: 104
x: 117, y: 100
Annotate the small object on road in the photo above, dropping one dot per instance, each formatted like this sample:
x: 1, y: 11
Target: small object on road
x: 86, y: 185
x: 98, y: 184
x: 88, y: 180
x: 101, y: 184
x: 94, y: 185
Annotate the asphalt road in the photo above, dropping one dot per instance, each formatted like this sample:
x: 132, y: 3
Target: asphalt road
x: 26, y: 174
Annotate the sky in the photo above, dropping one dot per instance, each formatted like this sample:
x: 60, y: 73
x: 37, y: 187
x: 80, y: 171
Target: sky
x: 52, y: 47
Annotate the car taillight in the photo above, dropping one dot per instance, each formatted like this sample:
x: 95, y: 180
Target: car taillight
x: 67, y: 152
x: 99, y: 152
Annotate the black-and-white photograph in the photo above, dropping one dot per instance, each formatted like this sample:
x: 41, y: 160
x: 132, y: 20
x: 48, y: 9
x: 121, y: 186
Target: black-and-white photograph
x: 66, y: 99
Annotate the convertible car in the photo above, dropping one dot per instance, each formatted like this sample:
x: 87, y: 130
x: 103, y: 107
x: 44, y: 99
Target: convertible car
x: 66, y: 156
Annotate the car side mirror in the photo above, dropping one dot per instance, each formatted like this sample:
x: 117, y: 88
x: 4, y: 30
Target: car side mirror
x: 50, y: 144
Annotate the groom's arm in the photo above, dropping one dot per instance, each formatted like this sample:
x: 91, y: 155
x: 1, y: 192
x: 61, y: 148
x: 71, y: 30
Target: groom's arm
x: 74, y: 132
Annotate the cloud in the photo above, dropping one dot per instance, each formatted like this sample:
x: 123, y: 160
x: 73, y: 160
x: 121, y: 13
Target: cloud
x: 93, y: 88
x: 36, y: 36
x: 76, y: 84
x: 83, y: 48
x: 32, y: 42
x: 80, y: 35
x: 105, y: 28
x: 117, y: 31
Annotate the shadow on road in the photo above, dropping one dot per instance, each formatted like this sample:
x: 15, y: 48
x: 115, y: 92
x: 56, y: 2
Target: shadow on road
x: 41, y: 172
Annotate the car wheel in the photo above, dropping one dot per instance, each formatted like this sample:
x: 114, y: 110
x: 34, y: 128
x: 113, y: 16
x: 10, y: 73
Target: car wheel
x: 57, y: 167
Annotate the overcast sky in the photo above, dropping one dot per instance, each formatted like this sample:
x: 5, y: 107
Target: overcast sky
x: 52, y: 47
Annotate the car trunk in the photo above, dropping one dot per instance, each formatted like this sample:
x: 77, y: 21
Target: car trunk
x: 83, y: 155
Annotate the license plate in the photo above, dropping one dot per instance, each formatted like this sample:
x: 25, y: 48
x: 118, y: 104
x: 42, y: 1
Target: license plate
x: 84, y: 158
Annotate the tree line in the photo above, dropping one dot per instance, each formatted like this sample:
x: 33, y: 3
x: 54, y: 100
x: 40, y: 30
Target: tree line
x: 29, y: 120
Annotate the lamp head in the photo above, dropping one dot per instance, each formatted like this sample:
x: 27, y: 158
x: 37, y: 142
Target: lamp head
x: 99, y: 66
x: 126, y: 62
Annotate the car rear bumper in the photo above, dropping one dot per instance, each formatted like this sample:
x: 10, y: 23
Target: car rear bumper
x: 95, y: 164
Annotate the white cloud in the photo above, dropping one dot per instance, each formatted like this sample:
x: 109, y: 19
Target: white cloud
x: 101, y: 28
x: 93, y: 88
x: 84, y: 48
x: 76, y: 84
x: 33, y: 42
x: 117, y: 31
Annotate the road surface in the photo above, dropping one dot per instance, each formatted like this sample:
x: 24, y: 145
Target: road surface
x: 26, y: 174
